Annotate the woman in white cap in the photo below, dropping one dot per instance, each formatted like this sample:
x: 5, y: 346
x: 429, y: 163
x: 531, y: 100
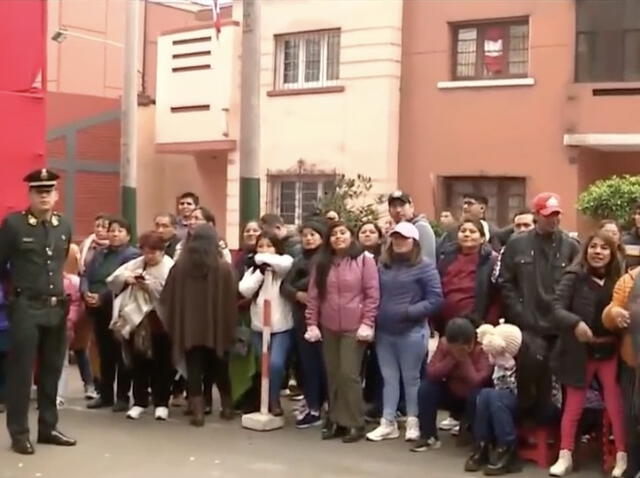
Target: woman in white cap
x: 410, y: 293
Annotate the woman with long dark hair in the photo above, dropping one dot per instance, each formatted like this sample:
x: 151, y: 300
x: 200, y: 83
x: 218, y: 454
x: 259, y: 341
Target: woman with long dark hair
x: 342, y: 304
x: 199, y: 311
x: 585, y: 347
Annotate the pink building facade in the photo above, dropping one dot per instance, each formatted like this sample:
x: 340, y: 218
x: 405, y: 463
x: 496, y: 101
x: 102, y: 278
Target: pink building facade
x: 513, y: 98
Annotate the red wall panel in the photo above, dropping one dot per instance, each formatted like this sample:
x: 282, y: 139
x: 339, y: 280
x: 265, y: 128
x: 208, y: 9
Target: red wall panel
x: 22, y: 103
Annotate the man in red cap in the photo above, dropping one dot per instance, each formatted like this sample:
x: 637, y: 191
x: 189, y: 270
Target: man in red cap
x: 532, y: 265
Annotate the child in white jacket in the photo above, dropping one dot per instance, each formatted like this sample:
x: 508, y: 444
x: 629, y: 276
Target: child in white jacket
x: 262, y: 282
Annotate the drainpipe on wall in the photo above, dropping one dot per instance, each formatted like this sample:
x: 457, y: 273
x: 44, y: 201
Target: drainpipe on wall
x: 129, y: 104
x: 250, y: 113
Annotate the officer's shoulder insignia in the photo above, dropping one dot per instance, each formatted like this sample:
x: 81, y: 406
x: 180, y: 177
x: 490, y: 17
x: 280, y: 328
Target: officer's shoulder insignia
x: 31, y: 219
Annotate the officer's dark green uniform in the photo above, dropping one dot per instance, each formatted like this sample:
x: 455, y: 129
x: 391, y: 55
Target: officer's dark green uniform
x: 35, y: 250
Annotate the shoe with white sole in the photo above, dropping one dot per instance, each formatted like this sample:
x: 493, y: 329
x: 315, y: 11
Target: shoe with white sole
x: 412, y: 429
x: 162, y: 413
x: 564, y: 465
x: 387, y: 430
x: 90, y: 392
x: 621, y: 465
x: 455, y: 431
x: 135, y: 412
x: 448, y: 424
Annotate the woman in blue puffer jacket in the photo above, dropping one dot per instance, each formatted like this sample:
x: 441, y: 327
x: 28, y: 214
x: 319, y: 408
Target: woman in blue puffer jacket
x: 410, y: 293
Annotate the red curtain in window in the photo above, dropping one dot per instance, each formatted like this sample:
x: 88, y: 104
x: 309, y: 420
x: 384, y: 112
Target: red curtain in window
x: 494, y: 57
x: 22, y: 104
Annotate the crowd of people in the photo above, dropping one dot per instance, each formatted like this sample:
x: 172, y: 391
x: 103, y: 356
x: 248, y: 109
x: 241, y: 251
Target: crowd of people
x: 531, y: 324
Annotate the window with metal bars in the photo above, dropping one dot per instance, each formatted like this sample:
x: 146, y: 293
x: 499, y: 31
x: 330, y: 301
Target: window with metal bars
x: 491, y: 50
x: 506, y: 195
x: 307, y: 60
x: 296, y: 198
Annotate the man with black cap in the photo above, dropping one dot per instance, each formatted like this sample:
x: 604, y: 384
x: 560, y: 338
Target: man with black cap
x: 33, y: 248
x: 401, y: 208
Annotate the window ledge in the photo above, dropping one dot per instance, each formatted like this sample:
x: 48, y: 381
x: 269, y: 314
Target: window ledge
x: 306, y: 91
x: 446, y: 85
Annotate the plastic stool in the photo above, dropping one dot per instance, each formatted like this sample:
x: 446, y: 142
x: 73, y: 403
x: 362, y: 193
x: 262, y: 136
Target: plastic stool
x: 538, y: 444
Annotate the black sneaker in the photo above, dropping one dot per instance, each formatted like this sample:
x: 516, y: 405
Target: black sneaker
x: 426, y: 444
x: 309, y: 420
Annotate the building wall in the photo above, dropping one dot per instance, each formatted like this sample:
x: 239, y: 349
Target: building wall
x: 85, y: 82
x: 499, y: 131
x: 354, y: 131
x: 162, y: 177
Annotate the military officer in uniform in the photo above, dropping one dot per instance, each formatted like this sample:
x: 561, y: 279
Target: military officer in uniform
x: 33, y: 248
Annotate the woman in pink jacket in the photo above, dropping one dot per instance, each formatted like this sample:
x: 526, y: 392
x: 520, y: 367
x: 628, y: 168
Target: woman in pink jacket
x: 342, y: 304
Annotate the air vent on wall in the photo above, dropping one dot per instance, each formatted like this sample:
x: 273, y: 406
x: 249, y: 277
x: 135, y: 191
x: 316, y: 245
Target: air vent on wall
x: 616, y: 91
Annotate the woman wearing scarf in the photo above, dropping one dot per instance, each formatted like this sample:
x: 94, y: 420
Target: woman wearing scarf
x: 199, y: 311
x: 138, y: 285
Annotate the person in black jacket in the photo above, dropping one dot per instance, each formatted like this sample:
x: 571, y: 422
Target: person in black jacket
x: 585, y: 348
x: 166, y: 224
x: 631, y: 240
x: 532, y: 265
x: 465, y: 268
x: 294, y: 288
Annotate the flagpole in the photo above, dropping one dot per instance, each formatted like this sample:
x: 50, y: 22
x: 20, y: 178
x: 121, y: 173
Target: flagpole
x: 250, y: 113
x: 129, y: 105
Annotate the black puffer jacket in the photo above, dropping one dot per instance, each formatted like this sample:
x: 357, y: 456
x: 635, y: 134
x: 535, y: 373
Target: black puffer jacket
x: 579, y: 298
x: 528, y: 283
x: 297, y: 280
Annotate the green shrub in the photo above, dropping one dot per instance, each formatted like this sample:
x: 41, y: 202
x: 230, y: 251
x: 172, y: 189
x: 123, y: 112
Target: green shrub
x: 611, y: 198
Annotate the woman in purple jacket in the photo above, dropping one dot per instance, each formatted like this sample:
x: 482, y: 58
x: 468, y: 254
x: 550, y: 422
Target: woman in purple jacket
x: 343, y: 302
x: 410, y: 293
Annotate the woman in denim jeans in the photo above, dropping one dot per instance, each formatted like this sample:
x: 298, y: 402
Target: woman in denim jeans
x: 410, y: 292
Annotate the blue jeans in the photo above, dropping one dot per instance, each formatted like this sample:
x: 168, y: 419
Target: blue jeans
x: 495, y: 410
x: 401, y: 357
x: 279, y: 350
x: 314, y: 376
x: 435, y: 395
x: 84, y: 367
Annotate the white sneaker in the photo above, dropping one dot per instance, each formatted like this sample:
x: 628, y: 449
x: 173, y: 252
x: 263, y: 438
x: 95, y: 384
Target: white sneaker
x: 90, y: 392
x: 412, y: 430
x: 621, y: 465
x: 448, y: 424
x: 564, y: 465
x: 135, y: 412
x: 386, y: 431
x: 162, y: 413
x: 455, y: 431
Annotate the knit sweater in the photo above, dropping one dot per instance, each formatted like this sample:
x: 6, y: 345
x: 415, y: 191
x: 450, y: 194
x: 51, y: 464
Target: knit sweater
x: 409, y: 295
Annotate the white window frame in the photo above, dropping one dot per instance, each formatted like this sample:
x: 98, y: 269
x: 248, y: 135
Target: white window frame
x: 275, y: 185
x: 301, y: 83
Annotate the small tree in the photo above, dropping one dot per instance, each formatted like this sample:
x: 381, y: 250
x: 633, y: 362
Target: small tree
x: 352, y: 200
x: 611, y: 198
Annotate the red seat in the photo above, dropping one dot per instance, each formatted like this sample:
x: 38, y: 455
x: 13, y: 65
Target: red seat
x: 538, y: 444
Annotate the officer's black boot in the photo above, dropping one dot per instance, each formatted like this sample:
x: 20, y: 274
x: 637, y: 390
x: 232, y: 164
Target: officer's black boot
x: 22, y: 446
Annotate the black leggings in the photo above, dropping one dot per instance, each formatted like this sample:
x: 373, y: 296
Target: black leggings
x: 153, y: 372
x: 203, y: 367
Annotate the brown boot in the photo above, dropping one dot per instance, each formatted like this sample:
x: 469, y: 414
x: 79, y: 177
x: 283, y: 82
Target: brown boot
x: 227, y: 407
x: 197, y: 407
